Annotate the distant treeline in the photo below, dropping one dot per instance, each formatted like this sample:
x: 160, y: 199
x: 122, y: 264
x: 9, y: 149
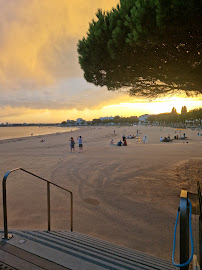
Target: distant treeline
x: 174, y: 117
x: 117, y: 120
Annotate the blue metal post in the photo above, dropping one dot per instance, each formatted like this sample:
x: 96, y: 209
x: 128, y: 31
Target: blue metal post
x: 200, y: 241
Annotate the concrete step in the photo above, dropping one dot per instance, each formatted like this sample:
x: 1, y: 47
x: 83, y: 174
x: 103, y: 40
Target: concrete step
x: 73, y: 250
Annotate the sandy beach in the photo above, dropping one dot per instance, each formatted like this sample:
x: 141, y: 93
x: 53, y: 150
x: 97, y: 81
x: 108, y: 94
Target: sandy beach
x: 125, y: 195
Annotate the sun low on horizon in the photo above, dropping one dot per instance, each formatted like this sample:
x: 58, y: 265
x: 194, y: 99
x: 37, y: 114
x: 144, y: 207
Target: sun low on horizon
x: 126, y: 108
x: 40, y: 77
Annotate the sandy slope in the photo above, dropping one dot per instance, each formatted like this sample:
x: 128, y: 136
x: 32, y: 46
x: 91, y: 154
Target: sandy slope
x: 127, y: 195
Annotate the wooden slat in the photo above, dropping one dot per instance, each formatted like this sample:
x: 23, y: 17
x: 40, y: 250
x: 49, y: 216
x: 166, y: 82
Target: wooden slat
x: 36, y: 260
x: 16, y: 262
x: 4, y: 266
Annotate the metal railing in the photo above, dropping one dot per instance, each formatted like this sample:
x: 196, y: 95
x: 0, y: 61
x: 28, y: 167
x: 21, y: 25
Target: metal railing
x: 196, y: 200
x: 200, y: 223
x: 184, y: 229
x: 8, y: 236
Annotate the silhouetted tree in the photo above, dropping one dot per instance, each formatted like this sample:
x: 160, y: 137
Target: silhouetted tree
x: 174, y: 111
x: 149, y: 47
x: 184, y: 110
x: 169, y: 118
x: 183, y: 115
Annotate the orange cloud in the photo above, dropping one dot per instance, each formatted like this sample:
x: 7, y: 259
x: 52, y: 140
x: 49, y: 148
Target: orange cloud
x: 38, y: 39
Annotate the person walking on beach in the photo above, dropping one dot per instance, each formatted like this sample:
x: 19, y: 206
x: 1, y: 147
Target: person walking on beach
x: 80, y: 141
x: 72, y: 144
x: 145, y: 139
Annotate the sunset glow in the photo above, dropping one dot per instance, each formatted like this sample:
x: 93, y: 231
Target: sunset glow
x: 40, y: 78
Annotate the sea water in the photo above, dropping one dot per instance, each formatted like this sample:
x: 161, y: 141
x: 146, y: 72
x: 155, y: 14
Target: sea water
x: 10, y: 132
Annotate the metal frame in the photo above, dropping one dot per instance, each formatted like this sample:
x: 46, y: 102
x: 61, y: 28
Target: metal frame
x: 7, y: 236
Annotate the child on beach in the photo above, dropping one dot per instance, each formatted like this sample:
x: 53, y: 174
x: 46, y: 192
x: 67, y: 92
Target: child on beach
x: 72, y: 143
x: 80, y: 144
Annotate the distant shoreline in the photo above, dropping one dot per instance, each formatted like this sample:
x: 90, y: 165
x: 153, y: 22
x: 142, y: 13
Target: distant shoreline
x: 2, y: 141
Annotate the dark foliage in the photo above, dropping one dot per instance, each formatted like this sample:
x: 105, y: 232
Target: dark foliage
x: 149, y: 47
x: 117, y: 120
x: 168, y: 118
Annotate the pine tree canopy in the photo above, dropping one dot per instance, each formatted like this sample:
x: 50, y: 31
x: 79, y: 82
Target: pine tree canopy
x: 149, y: 47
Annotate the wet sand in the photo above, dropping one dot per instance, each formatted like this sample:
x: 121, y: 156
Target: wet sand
x: 126, y: 195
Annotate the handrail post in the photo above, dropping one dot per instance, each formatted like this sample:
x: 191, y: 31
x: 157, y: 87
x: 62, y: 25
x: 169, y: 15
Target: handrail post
x: 48, y: 204
x: 5, y: 211
x: 200, y: 224
x: 200, y: 240
x: 6, y: 236
x: 184, y: 229
x: 71, y: 212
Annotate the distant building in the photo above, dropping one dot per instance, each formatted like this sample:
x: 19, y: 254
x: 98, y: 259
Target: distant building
x: 189, y: 122
x: 193, y: 122
x: 143, y: 118
x: 80, y: 121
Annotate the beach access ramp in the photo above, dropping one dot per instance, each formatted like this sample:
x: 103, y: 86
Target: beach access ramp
x: 58, y: 250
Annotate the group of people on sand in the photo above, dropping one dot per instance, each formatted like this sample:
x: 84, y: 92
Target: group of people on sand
x: 131, y: 137
x: 166, y: 139
x: 120, y: 143
x: 176, y: 137
x: 128, y: 137
x: 124, y: 142
x: 180, y: 138
x: 72, y: 144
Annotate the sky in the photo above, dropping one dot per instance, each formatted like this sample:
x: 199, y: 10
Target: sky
x: 40, y: 78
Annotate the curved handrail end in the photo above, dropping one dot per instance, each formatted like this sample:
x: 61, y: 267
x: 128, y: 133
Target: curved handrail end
x: 8, y: 172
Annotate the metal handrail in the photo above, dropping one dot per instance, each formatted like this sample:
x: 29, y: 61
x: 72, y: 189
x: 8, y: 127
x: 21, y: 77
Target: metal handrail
x: 185, y: 224
x: 200, y: 223
x: 184, y: 230
x: 6, y: 236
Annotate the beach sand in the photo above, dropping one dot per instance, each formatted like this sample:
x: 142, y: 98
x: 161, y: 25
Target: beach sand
x: 125, y: 195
